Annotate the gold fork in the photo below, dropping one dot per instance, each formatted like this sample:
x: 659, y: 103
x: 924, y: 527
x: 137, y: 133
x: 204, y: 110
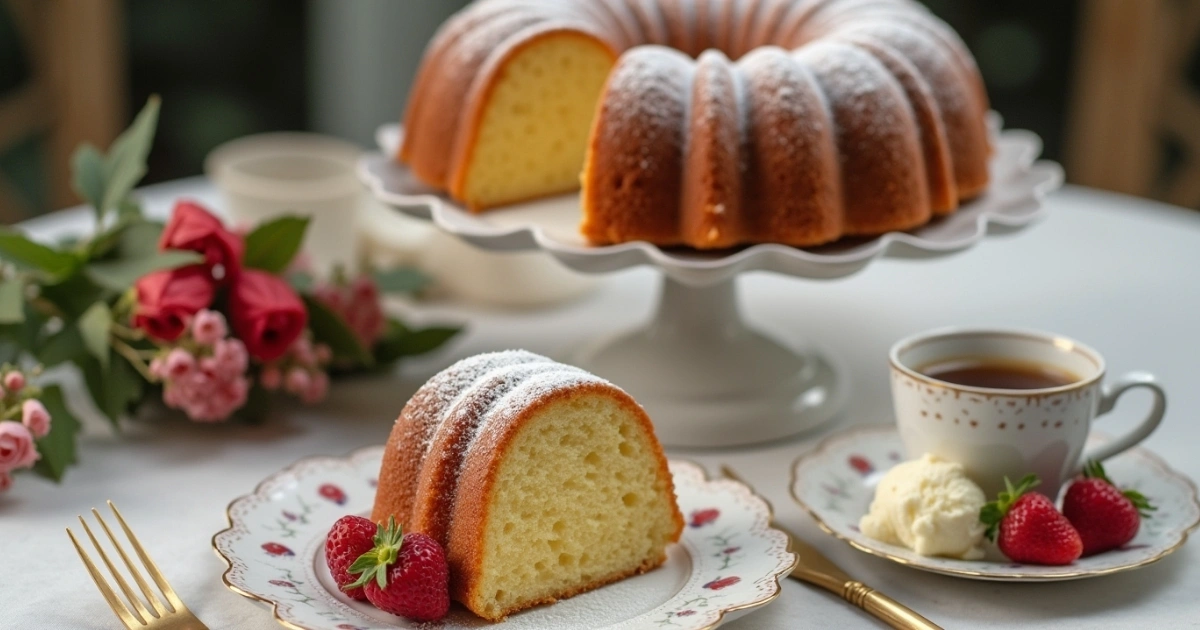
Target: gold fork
x: 175, y: 617
x: 818, y: 570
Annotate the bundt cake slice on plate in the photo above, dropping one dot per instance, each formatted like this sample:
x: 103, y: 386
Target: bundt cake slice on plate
x: 541, y: 481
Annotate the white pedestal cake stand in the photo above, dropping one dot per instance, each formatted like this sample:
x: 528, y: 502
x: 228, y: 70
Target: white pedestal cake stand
x: 706, y: 378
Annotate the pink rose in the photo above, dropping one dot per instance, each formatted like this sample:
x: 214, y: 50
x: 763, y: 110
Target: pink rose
x: 209, y: 327
x: 14, y: 381
x: 318, y: 387
x: 231, y: 356
x: 35, y: 418
x: 303, y: 352
x: 16, y: 446
x: 297, y: 381
x: 179, y: 363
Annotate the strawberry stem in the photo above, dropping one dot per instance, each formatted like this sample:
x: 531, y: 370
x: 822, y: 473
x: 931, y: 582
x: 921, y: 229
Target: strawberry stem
x: 993, y: 512
x: 373, y: 565
x: 1094, y: 470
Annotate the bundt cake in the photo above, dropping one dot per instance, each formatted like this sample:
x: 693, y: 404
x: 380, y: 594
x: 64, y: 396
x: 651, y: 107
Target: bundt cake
x: 838, y: 117
x: 540, y: 480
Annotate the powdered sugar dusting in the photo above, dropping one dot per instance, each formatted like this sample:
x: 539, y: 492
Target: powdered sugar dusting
x: 442, y: 391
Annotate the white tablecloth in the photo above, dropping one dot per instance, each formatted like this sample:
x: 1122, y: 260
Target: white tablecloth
x: 1115, y: 272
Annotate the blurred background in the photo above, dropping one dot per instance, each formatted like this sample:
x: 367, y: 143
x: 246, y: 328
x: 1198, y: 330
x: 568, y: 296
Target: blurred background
x: 1112, y: 86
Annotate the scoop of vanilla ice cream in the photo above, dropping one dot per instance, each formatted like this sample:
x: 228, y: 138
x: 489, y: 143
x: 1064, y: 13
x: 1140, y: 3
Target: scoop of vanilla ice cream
x: 930, y: 506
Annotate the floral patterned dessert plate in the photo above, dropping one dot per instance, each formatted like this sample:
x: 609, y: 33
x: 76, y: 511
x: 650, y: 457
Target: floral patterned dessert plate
x: 835, y: 483
x: 728, y: 562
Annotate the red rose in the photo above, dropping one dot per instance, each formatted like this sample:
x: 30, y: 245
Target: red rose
x: 167, y: 299
x: 195, y: 229
x: 266, y: 314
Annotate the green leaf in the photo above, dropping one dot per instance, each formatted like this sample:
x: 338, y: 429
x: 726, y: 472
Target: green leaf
x: 63, y: 346
x: 18, y: 249
x: 73, y: 295
x: 401, y: 280
x: 104, y: 242
x: 119, y: 275
x: 113, y: 390
x: 129, y: 209
x: 89, y: 174
x: 12, y: 301
x: 273, y: 245
x: 399, y: 341
x: 126, y: 163
x: 425, y: 340
x: 93, y: 329
x: 57, y: 448
x: 140, y: 239
x: 329, y: 328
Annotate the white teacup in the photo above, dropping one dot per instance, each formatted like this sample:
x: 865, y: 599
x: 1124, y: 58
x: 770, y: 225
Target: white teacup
x: 995, y: 432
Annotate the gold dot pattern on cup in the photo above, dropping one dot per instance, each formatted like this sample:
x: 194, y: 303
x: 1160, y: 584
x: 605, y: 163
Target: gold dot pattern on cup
x: 924, y: 414
x: 938, y: 416
x: 1002, y: 425
x: 1021, y: 426
x: 974, y: 423
x: 956, y: 421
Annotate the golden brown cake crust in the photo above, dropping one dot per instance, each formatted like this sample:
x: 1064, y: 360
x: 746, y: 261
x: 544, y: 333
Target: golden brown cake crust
x: 925, y: 114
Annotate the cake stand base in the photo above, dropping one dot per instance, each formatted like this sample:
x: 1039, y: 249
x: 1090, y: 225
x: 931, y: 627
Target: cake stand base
x: 707, y: 379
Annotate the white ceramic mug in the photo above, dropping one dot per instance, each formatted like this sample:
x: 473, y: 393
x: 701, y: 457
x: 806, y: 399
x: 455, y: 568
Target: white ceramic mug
x: 267, y: 175
x: 995, y: 433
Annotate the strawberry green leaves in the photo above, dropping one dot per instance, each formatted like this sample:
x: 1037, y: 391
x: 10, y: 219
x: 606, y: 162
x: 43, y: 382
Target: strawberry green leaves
x: 373, y: 565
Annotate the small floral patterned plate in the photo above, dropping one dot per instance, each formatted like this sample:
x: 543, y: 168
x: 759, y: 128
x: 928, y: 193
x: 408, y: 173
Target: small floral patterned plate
x: 835, y: 483
x: 728, y: 561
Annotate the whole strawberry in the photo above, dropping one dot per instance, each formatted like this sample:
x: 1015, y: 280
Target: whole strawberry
x: 405, y: 574
x: 1030, y: 529
x: 1105, y: 516
x: 350, y: 537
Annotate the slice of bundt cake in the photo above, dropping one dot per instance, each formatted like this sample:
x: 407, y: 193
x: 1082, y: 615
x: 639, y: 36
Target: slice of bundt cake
x: 541, y: 481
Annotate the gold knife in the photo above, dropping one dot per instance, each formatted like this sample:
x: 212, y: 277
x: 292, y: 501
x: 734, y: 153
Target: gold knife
x: 816, y: 569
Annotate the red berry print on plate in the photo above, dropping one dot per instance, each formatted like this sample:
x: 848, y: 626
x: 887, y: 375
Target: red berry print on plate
x: 721, y: 583
x: 333, y: 493
x: 861, y: 464
x: 700, y: 518
x: 276, y: 549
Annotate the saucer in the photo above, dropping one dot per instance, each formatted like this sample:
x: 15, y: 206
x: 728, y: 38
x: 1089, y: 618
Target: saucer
x: 835, y: 484
x: 728, y: 562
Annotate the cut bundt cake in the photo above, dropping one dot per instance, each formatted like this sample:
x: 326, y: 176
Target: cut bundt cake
x: 540, y: 480
x: 834, y: 118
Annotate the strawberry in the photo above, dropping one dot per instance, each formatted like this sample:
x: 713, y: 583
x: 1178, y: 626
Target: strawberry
x: 1105, y: 516
x: 349, y: 538
x: 405, y: 574
x: 1031, y: 530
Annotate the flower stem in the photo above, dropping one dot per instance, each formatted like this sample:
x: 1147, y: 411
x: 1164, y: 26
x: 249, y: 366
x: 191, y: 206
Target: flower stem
x: 125, y: 332
x: 134, y: 358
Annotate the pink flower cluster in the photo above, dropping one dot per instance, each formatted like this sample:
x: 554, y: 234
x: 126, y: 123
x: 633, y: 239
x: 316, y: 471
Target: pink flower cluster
x: 301, y: 371
x: 359, y: 305
x: 205, y: 374
x: 17, y: 439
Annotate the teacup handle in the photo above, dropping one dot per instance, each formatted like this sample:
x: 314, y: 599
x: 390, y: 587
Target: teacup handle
x: 1108, y: 399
